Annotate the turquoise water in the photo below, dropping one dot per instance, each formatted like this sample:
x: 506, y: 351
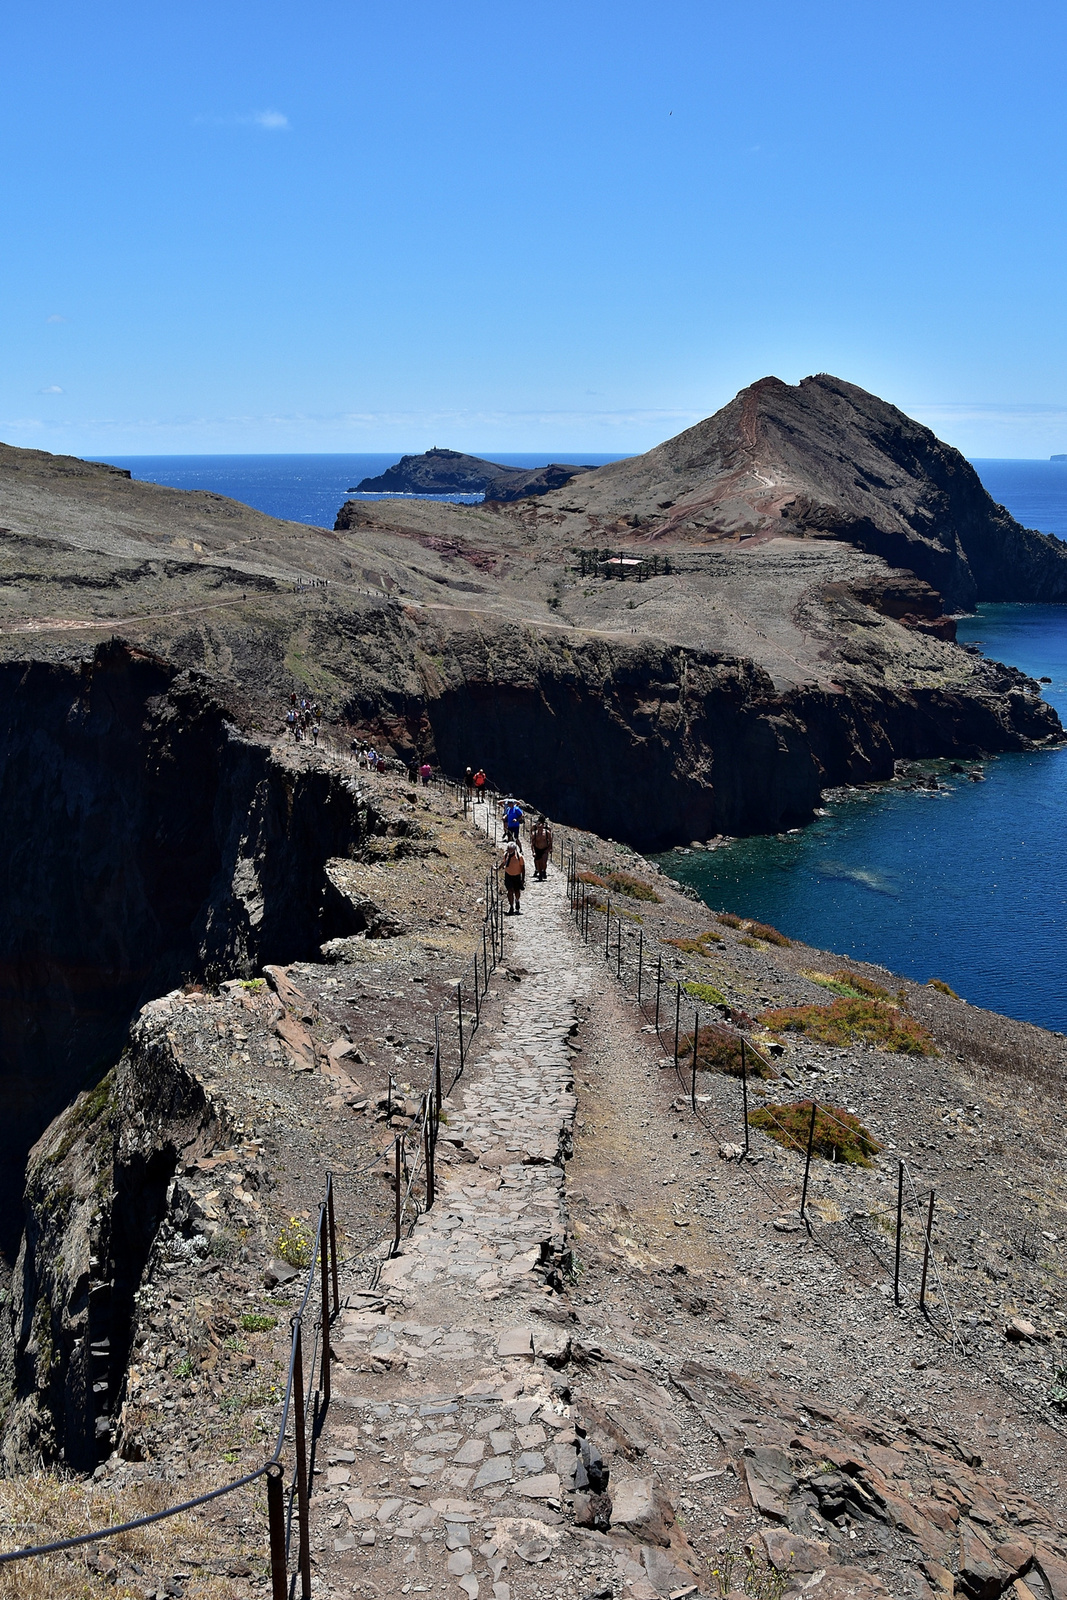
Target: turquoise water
x: 968, y: 883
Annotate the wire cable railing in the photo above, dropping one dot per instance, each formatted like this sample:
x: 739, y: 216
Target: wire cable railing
x: 650, y: 993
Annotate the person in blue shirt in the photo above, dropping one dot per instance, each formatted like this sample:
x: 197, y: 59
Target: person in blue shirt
x: 512, y: 819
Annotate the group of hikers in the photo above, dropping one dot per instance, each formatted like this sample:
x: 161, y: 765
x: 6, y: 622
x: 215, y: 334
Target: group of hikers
x: 366, y: 756
x: 303, y: 720
x: 513, y: 864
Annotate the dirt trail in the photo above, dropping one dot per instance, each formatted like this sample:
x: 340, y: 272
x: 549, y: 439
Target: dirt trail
x: 685, y: 1338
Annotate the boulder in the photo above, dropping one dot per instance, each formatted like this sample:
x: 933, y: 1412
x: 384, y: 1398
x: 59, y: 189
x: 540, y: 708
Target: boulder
x: 640, y: 1509
x: 770, y: 1479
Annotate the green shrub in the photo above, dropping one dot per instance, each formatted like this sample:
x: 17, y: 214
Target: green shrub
x: 253, y: 985
x: 706, y: 993
x: 258, y: 1322
x: 839, y: 1135
x: 845, y: 1020
x: 942, y: 987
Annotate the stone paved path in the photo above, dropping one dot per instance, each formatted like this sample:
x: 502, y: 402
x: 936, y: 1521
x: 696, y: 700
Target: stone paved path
x: 448, y: 1443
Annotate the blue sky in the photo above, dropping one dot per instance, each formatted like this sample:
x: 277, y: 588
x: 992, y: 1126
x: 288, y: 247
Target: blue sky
x: 328, y: 226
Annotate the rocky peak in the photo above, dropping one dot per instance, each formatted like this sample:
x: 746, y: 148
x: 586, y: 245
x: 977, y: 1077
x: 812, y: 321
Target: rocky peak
x: 825, y: 459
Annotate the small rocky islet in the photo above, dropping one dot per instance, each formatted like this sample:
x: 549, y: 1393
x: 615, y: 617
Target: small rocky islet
x: 612, y: 1357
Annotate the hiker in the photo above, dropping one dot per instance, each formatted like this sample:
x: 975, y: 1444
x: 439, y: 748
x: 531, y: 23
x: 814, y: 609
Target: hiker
x: 513, y: 867
x: 425, y: 773
x: 468, y: 779
x: 541, y: 841
x: 413, y: 770
x: 512, y: 819
x: 479, y: 783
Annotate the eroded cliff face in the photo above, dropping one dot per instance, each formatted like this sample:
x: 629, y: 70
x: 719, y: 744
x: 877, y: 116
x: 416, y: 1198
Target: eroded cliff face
x: 653, y: 745
x: 98, y: 1185
x: 146, y: 840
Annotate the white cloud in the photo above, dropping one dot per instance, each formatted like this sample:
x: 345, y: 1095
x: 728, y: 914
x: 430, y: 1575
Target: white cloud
x: 269, y: 121
x: 55, y: 317
x: 50, y: 388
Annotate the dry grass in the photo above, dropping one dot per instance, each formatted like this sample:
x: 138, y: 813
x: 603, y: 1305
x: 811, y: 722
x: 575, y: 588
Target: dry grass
x: 720, y: 1051
x: 697, y: 946
x: 850, y: 985
x: 845, y: 1021
x: 942, y: 987
x: 635, y: 888
x: 40, y: 1507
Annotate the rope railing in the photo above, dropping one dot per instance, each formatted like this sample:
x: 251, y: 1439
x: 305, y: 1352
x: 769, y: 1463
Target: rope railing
x: 321, y: 1273
x: 307, y: 1396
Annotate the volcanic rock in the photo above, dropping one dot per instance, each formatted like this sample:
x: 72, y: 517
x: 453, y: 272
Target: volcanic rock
x: 452, y: 472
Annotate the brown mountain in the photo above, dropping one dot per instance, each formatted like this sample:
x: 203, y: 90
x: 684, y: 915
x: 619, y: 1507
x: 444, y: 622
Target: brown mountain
x: 825, y: 459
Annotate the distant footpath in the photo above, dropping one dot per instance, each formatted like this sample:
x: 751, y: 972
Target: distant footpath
x: 452, y: 472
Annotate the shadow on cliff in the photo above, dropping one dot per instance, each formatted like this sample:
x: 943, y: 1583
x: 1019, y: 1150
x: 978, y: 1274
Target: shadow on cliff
x: 656, y: 746
x: 146, y: 840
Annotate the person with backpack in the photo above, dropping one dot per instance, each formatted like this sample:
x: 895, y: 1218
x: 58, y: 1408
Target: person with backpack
x: 513, y: 867
x: 512, y: 819
x: 541, y: 840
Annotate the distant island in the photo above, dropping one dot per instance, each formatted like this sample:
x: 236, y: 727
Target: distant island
x: 452, y: 472
x: 1058, y: 458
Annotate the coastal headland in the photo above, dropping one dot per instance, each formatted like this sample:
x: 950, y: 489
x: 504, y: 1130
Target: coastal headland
x: 692, y: 642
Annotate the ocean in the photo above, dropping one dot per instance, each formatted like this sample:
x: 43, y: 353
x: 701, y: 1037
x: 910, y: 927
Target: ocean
x: 301, y: 488
x: 967, y: 884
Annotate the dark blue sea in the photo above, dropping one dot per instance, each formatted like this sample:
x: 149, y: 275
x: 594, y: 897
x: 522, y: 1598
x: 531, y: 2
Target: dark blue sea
x: 308, y: 488
x: 968, y: 883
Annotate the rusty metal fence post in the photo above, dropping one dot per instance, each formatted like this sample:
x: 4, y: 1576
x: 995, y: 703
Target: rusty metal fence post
x: 324, y: 1271
x: 900, y: 1222
x: 677, y: 1015
x: 926, y: 1253
x: 744, y: 1091
x: 696, y: 1039
x: 279, y: 1565
x: 399, y: 1159
x: 807, y: 1164
x: 303, y: 1520
x: 333, y: 1242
